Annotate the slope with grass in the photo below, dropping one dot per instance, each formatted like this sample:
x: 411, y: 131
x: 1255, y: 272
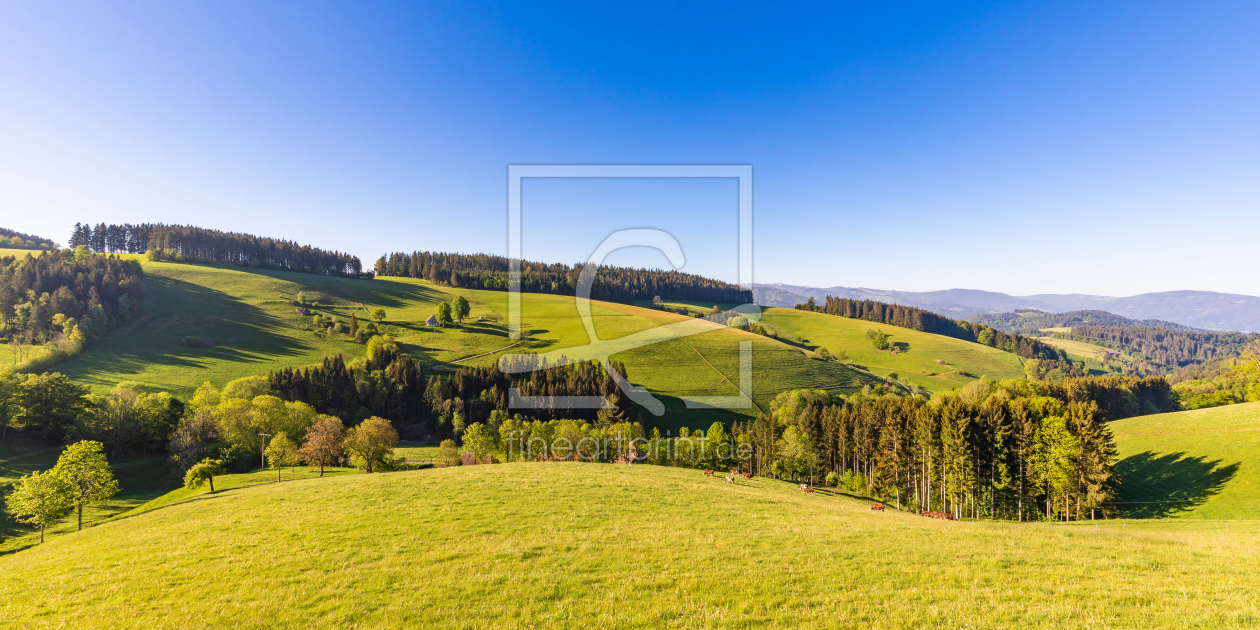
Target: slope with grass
x: 1201, y: 464
x: 593, y: 545
x: 918, y: 356
x: 247, y: 315
x: 141, y: 478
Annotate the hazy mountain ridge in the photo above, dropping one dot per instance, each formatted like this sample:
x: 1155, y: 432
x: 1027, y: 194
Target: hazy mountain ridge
x: 1199, y: 309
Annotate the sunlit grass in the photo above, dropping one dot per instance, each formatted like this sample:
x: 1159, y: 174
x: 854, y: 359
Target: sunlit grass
x: 917, y: 364
x: 595, y: 545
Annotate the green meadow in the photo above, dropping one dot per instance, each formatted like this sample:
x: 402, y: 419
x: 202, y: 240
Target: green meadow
x: 600, y: 545
x: 918, y: 356
x: 1191, y: 465
x: 1081, y: 351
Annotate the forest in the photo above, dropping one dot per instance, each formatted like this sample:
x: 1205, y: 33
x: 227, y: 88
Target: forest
x: 1031, y: 322
x: 612, y: 284
x: 64, y: 299
x: 20, y: 240
x: 391, y: 385
x: 1160, y: 350
x: 927, y: 321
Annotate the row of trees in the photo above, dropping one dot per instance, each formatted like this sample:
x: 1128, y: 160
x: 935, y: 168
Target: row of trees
x: 612, y: 284
x: 122, y: 239
x: 325, y: 443
x: 1015, y: 450
x: 1002, y: 451
x: 194, y: 244
x: 64, y: 299
x: 927, y: 321
x: 21, y: 240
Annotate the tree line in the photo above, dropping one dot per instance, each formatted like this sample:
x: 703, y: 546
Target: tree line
x: 64, y: 299
x: 927, y: 321
x: 194, y: 244
x: 122, y: 239
x: 22, y: 240
x: 186, y: 243
x: 1016, y: 449
x: 611, y: 284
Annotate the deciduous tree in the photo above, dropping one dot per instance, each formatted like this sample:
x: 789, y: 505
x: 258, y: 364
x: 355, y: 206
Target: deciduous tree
x: 459, y: 308
x: 84, y: 468
x: 372, y: 441
x: 281, y: 452
x: 50, y: 403
x: 40, y: 498
x: 323, y: 444
x: 202, y: 472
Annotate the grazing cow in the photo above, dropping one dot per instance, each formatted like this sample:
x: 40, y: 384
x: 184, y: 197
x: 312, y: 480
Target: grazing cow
x: 747, y: 475
x: 709, y: 473
x: 878, y: 507
x: 730, y: 480
x: 809, y: 490
x: 734, y: 472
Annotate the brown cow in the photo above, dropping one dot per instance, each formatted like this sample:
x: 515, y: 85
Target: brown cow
x: 878, y: 507
x: 709, y: 473
x: 747, y: 475
x: 730, y: 480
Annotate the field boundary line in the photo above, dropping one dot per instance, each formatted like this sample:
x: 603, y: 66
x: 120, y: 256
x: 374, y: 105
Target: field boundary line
x: 440, y: 365
x: 750, y: 399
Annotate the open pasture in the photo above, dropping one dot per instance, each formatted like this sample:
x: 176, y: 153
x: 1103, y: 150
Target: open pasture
x: 597, y: 545
x: 918, y: 356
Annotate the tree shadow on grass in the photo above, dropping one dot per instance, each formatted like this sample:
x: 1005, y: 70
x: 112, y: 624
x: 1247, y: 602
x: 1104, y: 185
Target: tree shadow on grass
x: 1161, y: 485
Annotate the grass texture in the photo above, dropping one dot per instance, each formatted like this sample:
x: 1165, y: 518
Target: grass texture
x: 597, y: 545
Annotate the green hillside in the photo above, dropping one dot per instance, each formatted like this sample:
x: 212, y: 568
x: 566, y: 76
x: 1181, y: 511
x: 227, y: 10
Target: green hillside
x: 1202, y: 464
x: 1086, y: 352
x: 247, y: 315
x: 568, y: 544
x: 918, y: 356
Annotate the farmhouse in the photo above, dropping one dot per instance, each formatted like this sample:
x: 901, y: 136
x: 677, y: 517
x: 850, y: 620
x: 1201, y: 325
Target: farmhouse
x: 432, y: 321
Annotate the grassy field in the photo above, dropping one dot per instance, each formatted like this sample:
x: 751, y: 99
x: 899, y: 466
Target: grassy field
x: 594, y: 545
x: 1087, y: 352
x: 1202, y: 464
x: 916, y: 362
x: 246, y: 313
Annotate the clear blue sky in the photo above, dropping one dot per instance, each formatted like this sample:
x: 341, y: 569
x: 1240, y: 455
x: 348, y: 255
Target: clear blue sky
x: 1018, y: 147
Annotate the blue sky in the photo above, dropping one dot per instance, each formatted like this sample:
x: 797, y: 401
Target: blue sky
x: 1017, y: 147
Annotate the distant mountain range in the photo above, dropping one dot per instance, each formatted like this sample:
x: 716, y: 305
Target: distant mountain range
x: 1199, y: 309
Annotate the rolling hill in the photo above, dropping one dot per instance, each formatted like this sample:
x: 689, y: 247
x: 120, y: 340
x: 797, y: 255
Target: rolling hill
x: 247, y: 315
x: 1201, y: 464
x: 1199, y: 309
x: 917, y: 360
x: 566, y: 544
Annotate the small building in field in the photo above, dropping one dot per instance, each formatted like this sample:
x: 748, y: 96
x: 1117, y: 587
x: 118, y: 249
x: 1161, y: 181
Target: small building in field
x: 432, y: 321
